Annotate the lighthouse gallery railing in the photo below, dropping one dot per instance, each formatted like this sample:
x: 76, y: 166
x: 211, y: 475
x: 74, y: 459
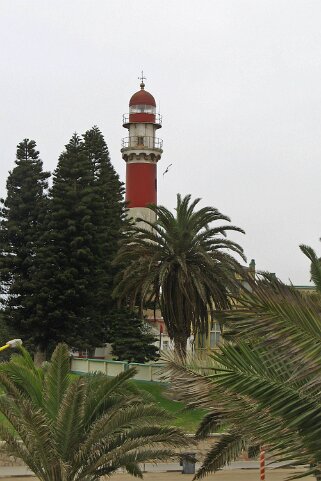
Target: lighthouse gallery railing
x: 142, y: 142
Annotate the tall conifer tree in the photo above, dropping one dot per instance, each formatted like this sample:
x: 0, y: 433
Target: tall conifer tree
x: 65, y: 301
x: 56, y: 255
x: 109, y: 215
x: 21, y: 225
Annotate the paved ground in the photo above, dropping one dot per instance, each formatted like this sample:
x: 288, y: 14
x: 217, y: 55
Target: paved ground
x: 19, y: 474
x: 228, y: 475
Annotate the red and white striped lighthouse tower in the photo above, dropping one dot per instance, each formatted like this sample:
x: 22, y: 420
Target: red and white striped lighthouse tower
x: 141, y: 151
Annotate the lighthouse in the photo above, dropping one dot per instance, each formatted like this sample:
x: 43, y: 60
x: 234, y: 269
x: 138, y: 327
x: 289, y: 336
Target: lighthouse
x: 141, y: 151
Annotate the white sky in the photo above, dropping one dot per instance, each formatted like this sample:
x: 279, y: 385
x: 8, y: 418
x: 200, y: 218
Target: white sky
x: 239, y: 86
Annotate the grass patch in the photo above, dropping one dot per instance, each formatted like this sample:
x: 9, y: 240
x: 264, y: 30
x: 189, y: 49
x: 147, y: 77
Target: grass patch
x: 187, y: 420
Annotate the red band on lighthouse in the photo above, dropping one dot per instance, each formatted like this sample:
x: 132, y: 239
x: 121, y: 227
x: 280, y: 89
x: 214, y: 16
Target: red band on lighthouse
x: 141, y: 188
x: 142, y: 117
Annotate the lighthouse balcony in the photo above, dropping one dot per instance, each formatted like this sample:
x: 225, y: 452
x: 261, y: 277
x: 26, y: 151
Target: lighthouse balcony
x: 142, y: 118
x: 143, y: 142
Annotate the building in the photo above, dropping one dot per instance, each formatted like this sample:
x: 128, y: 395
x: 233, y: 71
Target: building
x: 213, y: 339
x: 141, y: 151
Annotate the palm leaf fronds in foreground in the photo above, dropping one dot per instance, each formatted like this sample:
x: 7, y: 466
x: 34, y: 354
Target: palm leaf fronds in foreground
x: 265, y: 382
x: 79, y: 429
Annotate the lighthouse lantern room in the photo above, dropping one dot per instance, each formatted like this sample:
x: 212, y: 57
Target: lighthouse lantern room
x: 141, y: 151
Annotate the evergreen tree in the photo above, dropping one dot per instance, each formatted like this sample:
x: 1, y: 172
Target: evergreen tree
x: 130, y: 337
x: 109, y: 218
x: 66, y: 293
x: 21, y: 225
x: 56, y: 254
x: 83, y: 225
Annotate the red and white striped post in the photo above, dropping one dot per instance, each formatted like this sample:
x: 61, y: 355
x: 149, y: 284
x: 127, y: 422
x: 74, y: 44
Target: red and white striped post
x: 262, y: 464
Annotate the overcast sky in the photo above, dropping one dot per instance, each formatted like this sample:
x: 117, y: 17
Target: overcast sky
x: 239, y: 87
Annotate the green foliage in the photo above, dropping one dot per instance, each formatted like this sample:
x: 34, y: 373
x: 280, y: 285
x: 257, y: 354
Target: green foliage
x: 72, y: 429
x: 64, y: 302
x: 315, y: 268
x: 21, y: 226
x: 109, y: 218
x: 186, y: 419
x: 82, y: 227
x: 181, y: 262
x: 226, y: 450
x: 265, y: 381
x: 56, y: 253
x: 130, y: 338
x: 7, y: 332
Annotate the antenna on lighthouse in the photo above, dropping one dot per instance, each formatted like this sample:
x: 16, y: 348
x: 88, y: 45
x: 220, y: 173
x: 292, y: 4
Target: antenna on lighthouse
x: 142, y: 78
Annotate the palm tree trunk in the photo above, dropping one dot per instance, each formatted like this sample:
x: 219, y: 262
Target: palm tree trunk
x: 39, y: 356
x: 180, y: 347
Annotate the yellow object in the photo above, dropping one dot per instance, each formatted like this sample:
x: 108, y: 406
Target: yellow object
x: 2, y: 348
x: 13, y: 343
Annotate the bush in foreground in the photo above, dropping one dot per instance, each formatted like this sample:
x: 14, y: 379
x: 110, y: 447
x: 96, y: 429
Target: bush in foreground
x: 68, y: 429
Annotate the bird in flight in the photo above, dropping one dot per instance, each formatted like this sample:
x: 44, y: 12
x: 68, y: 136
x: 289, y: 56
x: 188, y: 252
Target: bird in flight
x: 167, y: 169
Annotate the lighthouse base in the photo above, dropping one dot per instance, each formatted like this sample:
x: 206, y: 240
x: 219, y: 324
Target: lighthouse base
x: 142, y: 213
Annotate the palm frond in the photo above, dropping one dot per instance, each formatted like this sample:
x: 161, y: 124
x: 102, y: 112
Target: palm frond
x: 21, y: 372
x: 13, y: 447
x: 228, y: 449
x: 69, y: 422
x: 209, y: 376
x: 57, y: 379
x: 265, y: 382
x: 100, y: 390
x: 309, y: 472
x: 210, y: 423
x: 281, y: 319
x: 315, y: 269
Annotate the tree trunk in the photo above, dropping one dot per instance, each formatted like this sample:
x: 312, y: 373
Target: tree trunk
x: 180, y: 348
x: 39, y: 357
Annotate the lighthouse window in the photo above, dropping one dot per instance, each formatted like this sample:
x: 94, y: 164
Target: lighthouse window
x: 138, y: 109
x: 140, y: 140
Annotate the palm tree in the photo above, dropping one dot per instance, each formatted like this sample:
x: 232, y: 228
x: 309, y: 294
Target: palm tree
x: 78, y: 429
x: 183, y: 263
x: 264, y: 385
